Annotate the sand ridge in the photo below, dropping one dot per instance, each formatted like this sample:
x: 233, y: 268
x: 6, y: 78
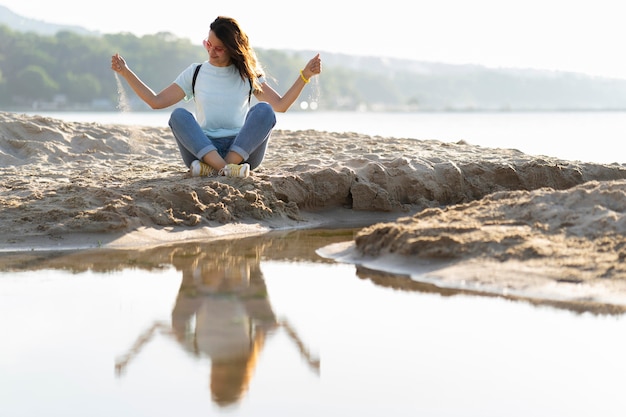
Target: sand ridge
x: 88, y: 184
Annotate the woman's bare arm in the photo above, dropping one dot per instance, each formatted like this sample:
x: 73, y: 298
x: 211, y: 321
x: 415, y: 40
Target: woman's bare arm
x: 282, y: 103
x: 167, y: 97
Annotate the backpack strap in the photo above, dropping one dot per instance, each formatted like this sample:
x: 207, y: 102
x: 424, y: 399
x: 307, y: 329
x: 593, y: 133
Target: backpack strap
x: 193, y: 81
x: 250, y: 93
x: 195, y: 75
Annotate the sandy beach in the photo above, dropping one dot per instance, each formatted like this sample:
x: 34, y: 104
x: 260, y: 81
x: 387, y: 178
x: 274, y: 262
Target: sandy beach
x: 456, y: 215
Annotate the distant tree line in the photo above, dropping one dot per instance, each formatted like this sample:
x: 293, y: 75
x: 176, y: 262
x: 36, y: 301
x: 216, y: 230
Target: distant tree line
x: 72, y: 71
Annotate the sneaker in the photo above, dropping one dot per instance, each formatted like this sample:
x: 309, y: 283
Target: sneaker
x: 200, y: 169
x: 234, y: 170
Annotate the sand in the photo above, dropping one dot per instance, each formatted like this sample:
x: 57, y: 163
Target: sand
x: 456, y: 215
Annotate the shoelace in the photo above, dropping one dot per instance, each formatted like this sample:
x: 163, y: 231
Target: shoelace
x: 206, y: 170
x: 230, y: 170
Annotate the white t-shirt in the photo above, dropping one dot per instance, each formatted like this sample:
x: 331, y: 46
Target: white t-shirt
x: 221, y: 98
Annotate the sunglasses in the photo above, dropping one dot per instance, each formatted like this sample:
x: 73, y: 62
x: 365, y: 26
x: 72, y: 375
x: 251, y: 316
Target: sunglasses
x: 208, y: 45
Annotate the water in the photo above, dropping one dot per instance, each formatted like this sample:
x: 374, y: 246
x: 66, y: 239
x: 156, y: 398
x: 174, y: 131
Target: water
x: 265, y: 327
x: 576, y: 136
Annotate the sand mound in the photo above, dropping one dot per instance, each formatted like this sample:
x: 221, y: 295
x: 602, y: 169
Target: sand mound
x: 463, y: 216
x: 562, y: 245
x: 62, y: 178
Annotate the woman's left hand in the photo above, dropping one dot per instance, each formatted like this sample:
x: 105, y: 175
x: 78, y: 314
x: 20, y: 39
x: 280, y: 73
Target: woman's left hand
x: 313, y: 67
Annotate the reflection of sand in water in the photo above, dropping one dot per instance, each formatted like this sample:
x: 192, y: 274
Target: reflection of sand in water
x: 406, y: 282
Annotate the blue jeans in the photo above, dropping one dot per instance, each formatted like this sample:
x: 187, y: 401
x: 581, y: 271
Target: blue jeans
x: 250, y: 143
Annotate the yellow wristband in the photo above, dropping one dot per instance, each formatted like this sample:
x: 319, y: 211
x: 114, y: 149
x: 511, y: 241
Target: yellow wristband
x: 303, y: 78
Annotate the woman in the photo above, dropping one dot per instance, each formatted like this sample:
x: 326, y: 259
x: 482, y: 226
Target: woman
x: 228, y: 137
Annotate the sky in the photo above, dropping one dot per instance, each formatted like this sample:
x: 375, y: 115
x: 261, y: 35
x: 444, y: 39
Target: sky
x: 574, y: 35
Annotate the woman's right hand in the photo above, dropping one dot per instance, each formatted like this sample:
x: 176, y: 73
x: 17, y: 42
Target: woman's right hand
x: 117, y: 63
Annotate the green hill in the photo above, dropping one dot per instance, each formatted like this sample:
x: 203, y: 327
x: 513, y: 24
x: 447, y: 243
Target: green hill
x: 43, y: 65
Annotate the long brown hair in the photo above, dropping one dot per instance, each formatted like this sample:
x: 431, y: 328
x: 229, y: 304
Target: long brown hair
x: 241, y: 53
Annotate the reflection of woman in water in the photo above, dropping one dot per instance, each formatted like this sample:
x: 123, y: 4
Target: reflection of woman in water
x: 222, y: 312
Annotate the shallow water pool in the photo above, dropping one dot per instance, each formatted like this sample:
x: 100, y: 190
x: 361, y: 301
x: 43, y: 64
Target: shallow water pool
x: 264, y: 327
